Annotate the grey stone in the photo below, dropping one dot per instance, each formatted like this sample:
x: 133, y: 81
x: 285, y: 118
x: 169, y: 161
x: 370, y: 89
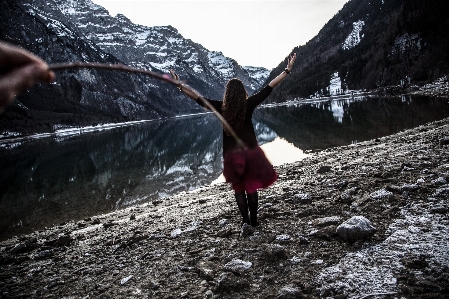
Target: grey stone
x: 355, y: 229
x: 381, y: 194
x: 206, y: 269
x: 289, y: 292
x: 326, y: 221
x: 237, y: 266
x: 246, y: 230
x: 439, y: 181
x: 274, y: 252
x: 229, y: 282
x: 324, y: 169
x: 302, y: 198
x: 225, y: 232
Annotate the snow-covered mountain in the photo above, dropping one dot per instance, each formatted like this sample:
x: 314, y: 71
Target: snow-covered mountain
x: 159, y: 48
x: 64, y: 31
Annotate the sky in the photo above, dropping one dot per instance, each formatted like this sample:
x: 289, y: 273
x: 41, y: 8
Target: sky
x: 253, y: 32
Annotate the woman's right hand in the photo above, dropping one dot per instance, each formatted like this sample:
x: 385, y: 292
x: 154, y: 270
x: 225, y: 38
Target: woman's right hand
x: 174, y: 75
x: 19, y: 70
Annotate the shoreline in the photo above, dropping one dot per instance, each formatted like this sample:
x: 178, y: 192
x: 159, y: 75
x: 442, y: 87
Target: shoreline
x: 189, y: 245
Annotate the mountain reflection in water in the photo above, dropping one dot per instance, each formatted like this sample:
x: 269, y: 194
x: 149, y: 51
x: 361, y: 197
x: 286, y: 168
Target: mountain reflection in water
x: 325, y: 124
x: 50, y: 181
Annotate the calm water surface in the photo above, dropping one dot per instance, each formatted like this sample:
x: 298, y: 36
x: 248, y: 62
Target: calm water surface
x: 58, y: 179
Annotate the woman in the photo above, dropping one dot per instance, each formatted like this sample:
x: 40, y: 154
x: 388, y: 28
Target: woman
x: 237, y: 109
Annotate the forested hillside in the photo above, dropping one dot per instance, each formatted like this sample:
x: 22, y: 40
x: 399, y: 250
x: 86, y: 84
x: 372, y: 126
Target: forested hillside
x: 372, y: 44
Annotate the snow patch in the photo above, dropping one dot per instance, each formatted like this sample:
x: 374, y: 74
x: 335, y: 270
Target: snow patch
x: 354, y: 37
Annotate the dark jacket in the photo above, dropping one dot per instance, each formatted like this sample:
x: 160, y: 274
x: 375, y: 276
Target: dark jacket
x: 246, y: 131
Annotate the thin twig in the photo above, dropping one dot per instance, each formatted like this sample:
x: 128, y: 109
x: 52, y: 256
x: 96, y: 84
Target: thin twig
x: 377, y: 294
x: 166, y: 78
x: 115, y: 67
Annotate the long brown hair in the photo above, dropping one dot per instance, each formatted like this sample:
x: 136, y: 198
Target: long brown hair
x: 234, y: 103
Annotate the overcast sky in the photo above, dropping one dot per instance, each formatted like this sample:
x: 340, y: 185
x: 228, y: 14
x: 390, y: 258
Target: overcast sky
x: 253, y: 32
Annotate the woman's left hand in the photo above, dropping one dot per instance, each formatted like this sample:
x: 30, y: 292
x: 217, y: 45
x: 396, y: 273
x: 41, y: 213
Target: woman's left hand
x: 290, y: 62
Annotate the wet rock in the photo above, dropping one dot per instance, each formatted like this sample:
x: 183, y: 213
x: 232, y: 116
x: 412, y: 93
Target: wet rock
x: 289, y: 292
x: 246, y: 230
x: 125, y: 280
x: 303, y: 240
x: 25, y: 246
x: 274, y: 252
x: 326, y: 221
x: 302, y: 198
x: 409, y: 187
x: 20, y: 248
x: 61, y: 241
x: 109, y: 224
x: 439, y: 181
x: 206, y: 269
x: 439, y: 209
x: 44, y: 254
x: 283, y: 238
x: 229, y: 282
x: 223, y: 222
x: 95, y: 221
x: 345, y: 197
x: 225, y: 232
x: 444, y: 141
x: 381, y: 194
x: 237, y: 266
x: 357, y: 228
x: 175, y: 233
x: 323, y: 169
x: 209, y: 294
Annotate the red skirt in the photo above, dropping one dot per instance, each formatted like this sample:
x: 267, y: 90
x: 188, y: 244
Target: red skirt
x: 248, y: 170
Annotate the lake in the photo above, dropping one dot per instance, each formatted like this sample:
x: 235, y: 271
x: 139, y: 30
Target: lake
x: 51, y: 180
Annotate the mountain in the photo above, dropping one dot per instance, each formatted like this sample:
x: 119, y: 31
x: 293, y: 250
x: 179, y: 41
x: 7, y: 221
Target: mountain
x: 157, y: 48
x: 64, y: 31
x: 371, y: 44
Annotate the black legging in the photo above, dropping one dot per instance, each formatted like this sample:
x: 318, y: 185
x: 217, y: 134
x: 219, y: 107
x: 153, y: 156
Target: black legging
x: 247, y: 202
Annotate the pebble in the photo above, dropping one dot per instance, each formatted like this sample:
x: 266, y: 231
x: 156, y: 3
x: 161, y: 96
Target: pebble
x: 381, y: 194
x: 125, y: 280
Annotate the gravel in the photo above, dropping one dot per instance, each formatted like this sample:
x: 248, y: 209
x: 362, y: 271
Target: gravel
x: 190, y: 245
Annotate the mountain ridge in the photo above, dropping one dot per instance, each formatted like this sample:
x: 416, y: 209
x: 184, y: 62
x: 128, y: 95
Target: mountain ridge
x: 89, y: 97
x: 373, y: 45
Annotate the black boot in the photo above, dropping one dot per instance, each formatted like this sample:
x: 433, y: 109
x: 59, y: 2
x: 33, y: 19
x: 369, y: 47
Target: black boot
x: 243, y: 206
x: 253, y: 202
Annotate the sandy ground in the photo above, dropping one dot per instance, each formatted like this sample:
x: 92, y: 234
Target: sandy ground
x: 189, y: 245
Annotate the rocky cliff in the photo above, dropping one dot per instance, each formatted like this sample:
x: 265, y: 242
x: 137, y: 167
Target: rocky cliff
x: 60, y: 31
x: 371, y: 44
x: 159, y: 48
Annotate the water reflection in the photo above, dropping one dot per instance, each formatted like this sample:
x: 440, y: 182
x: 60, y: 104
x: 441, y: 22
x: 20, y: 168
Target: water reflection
x: 53, y: 181
x: 50, y: 181
x: 325, y: 124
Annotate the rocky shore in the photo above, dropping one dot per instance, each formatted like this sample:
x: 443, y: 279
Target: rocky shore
x: 190, y: 245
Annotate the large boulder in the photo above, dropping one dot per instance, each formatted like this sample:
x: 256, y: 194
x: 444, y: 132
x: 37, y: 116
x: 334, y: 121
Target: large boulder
x: 355, y: 229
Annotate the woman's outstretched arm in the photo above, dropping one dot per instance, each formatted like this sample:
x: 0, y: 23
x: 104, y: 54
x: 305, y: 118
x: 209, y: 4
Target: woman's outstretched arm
x: 188, y: 91
x: 19, y: 70
x: 275, y: 82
